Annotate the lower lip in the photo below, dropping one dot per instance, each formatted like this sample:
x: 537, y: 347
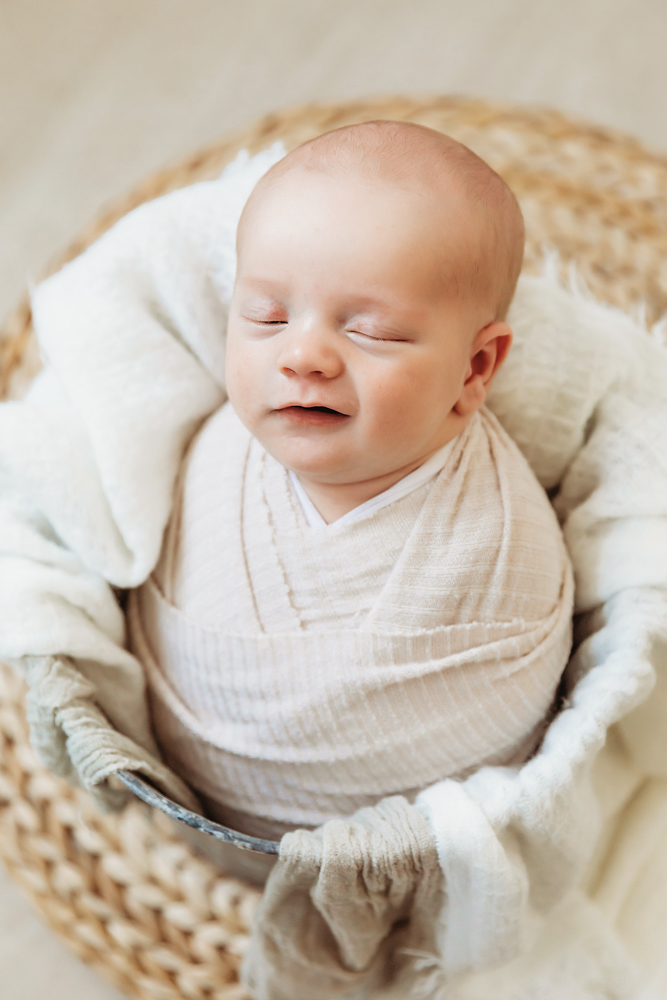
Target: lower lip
x: 310, y: 417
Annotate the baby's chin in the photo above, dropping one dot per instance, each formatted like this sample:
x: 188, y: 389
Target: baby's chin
x: 333, y: 469
x: 318, y: 463
x: 321, y: 470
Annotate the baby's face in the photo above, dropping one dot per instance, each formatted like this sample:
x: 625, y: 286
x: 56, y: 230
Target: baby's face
x: 346, y: 353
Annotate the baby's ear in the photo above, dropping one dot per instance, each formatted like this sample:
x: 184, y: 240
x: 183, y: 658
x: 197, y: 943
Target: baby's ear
x: 489, y: 350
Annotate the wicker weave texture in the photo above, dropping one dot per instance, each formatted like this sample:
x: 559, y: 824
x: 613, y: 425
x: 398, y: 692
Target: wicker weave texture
x: 122, y: 891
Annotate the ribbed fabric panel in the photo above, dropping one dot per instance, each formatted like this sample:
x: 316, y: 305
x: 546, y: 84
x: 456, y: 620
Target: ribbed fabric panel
x: 335, y: 574
x: 357, y: 716
x: 451, y: 664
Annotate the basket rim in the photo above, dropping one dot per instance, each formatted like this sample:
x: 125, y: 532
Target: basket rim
x: 147, y: 792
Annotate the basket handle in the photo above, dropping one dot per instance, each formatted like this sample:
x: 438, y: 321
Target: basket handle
x: 148, y: 793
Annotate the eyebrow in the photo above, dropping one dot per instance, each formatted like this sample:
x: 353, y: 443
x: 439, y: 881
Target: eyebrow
x: 272, y: 284
x: 264, y: 285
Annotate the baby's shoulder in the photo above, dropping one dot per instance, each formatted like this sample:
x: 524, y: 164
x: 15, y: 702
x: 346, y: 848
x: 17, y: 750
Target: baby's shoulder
x: 212, y: 468
x: 495, y: 450
x: 497, y: 490
x: 222, y: 440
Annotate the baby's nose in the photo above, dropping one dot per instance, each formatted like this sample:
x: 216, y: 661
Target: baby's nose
x: 311, y: 352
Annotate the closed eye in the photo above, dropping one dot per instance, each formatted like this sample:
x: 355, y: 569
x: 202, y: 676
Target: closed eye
x: 375, y: 336
x: 265, y: 322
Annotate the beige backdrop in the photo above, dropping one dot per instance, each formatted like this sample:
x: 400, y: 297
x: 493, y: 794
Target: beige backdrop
x: 96, y: 93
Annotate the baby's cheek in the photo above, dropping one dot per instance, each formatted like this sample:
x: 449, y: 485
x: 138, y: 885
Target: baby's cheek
x: 393, y: 417
x: 412, y: 404
x: 399, y: 395
x: 242, y: 368
x: 239, y: 388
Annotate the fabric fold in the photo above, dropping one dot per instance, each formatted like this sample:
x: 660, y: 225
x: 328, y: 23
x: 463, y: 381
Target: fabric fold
x: 348, y: 908
x: 76, y: 741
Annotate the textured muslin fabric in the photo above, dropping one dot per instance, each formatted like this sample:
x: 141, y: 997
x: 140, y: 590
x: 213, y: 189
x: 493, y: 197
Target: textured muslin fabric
x: 132, y: 338
x: 346, y: 906
x: 280, y: 659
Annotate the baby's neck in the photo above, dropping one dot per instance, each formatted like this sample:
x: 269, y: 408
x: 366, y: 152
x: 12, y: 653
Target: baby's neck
x: 333, y: 500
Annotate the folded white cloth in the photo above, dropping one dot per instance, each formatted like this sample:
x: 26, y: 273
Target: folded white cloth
x: 132, y: 337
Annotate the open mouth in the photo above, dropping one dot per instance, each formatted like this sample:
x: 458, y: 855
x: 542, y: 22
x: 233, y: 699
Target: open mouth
x: 320, y: 409
x: 317, y: 416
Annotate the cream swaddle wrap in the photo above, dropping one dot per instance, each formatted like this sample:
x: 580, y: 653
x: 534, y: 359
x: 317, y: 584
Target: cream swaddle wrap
x: 463, y: 628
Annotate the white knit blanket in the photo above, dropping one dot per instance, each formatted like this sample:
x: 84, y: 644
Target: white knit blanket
x: 132, y: 337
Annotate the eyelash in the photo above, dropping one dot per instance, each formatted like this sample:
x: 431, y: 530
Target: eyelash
x: 383, y: 340
x: 368, y: 336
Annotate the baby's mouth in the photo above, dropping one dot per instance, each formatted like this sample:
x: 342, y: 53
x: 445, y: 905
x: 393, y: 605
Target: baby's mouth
x: 314, y: 416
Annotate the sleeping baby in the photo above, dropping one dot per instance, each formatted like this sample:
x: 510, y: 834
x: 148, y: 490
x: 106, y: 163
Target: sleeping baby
x: 362, y: 589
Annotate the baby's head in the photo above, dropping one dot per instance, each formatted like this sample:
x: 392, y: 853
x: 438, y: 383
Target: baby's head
x: 375, y: 268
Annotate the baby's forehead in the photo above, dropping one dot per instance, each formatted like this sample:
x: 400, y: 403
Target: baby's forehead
x: 317, y: 204
x: 308, y: 216
x: 468, y: 205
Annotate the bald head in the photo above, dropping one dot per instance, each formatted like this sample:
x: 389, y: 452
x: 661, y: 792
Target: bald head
x: 487, y: 260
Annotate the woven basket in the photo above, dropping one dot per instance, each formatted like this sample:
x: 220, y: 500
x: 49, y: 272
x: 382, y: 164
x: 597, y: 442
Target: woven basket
x: 123, y: 892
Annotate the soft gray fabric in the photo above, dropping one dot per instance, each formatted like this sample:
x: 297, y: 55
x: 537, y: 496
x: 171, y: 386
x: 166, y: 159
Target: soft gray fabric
x: 75, y: 740
x: 345, y: 905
